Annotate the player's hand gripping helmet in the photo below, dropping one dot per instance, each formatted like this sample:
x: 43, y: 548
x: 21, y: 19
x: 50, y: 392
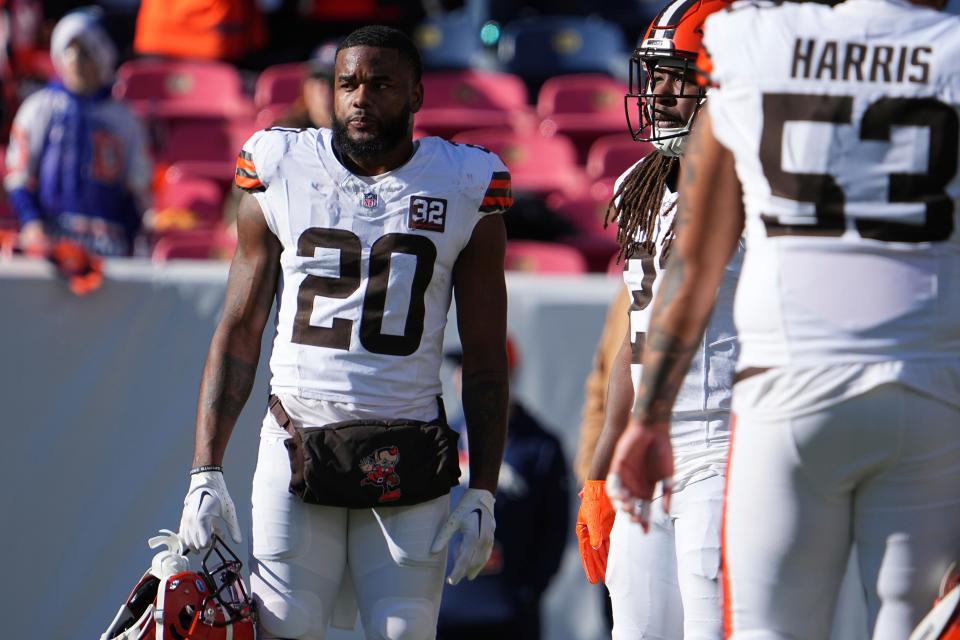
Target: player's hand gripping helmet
x: 669, y: 50
x: 171, y: 602
x: 943, y: 621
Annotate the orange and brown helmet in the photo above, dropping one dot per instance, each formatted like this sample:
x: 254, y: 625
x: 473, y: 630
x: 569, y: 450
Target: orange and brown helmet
x: 171, y: 602
x: 672, y: 41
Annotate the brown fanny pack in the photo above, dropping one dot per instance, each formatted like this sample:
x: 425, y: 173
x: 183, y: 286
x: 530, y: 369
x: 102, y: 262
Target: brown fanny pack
x: 369, y: 463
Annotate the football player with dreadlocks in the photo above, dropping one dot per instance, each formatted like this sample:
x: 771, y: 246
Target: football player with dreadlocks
x: 663, y: 574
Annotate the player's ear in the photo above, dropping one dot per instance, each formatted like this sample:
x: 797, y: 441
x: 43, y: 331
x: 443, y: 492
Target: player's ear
x: 417, y: 100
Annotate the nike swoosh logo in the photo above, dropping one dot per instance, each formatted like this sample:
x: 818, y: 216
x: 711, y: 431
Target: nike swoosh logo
x: 479, y: 519
x: 203, y: 494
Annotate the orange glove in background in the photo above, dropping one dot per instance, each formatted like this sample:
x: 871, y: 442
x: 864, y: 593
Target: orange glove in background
x: 594, y: 522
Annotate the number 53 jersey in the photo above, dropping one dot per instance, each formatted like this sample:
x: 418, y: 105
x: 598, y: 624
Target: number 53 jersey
x: 843, y: 123
x: 367, y: 262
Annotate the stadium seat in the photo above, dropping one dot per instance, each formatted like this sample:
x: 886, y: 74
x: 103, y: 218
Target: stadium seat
x: 611, y: 155
x: 540, y: 47
x: 270, y: 114
x: 279, y: 85
x: 582, y: 107
x: 457, y: 101
x: 194, y: 245
x: 543, y: 257
x: 585, y: 212
x: 538, y: 165
x: 181, y: 88
x: 449, y: 41
x: 188, y: 203
x: 203, y: 147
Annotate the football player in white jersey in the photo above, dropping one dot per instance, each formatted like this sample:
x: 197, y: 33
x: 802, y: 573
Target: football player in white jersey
x: 832, y: 139
x: 362, y: 236
x: 664, y: 579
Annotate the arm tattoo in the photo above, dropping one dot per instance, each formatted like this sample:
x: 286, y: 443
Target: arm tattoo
x: 666, y: 355
x: 485, y: 399
x: 229, y: 388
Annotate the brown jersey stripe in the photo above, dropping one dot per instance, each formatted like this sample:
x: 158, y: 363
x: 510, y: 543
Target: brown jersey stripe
x: 500, y: 175
x: 247, y: 174
x: 498, y: 193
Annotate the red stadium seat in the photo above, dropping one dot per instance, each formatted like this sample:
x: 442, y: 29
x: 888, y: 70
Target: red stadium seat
x: 611, y: 155
x: 203, y: 147
x: 543, y: 257
x: 537, y: 165
x: 195, y: 245
x: 279, y: 85
x: 181, y: 88
x: 582, y: 107
x: 586, y: 213
x: 270, y: 114
x: 189, y: 203
x: 456, y: 101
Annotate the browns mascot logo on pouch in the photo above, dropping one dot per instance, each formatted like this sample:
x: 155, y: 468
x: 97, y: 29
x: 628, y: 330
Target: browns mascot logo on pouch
x: 380, y: 470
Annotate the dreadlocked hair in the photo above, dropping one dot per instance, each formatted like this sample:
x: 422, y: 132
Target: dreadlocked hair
x: 636, y: 205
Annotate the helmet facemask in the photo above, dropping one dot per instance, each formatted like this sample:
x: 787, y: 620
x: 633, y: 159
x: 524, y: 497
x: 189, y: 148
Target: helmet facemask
x: 646, y: 103
x: 225, y: 584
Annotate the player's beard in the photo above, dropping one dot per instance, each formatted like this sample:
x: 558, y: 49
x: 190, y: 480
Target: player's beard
x: 390, y: 134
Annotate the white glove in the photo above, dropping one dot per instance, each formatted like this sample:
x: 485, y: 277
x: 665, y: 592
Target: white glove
x: 206, y: 510
x: 473, y: 517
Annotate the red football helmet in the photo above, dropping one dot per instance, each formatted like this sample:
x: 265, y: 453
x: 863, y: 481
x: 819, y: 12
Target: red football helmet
x: 672, y: 41
x: 170, y: 602
x: 943, y: 621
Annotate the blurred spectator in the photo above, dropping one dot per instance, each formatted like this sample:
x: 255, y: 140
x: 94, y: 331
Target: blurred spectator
x: 532, y: 512
x: 315, y: 105
x: 77, y: 164
x: 227, y: 30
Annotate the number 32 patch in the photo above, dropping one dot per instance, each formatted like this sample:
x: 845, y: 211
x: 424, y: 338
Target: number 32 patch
x: 429, y: 214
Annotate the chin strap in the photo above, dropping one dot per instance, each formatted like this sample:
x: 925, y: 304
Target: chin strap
x: 671, y: 147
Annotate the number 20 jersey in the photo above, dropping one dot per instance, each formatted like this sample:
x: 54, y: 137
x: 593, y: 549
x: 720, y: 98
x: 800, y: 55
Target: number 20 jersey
x: 843, y: 123
x: 366, y: 262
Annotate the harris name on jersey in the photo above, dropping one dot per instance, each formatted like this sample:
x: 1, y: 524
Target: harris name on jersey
x: 815, y: 59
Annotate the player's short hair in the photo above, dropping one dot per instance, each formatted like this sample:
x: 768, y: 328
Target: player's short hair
x: 378, y: 35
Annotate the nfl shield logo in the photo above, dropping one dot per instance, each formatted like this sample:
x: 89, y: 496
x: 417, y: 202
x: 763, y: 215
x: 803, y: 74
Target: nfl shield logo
x: 368, y: 200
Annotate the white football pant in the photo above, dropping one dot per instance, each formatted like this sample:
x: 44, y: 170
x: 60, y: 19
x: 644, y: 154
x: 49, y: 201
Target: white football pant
x: 881, y: 469
x: 664, y: 584
x: 300, y: 553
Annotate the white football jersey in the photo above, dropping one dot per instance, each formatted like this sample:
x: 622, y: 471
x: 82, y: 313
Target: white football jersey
x: 367, y: 261
x: 700, y: 419
x: 843, y: 123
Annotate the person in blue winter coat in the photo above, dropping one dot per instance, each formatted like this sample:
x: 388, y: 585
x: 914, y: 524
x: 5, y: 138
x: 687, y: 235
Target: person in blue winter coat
x: 532, y: 513
x: 77, y: 163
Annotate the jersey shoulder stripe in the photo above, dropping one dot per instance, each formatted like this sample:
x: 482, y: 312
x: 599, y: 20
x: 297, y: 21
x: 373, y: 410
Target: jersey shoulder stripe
x: 246, y: 174
x: 499, y: 194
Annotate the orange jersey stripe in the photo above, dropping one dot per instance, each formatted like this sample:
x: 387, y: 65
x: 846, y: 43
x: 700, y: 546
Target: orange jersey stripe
x: 246, y: 165
x: 489, y: 201
x: 725, y: 596
x: 499, y: 184
x: 248, y: 183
